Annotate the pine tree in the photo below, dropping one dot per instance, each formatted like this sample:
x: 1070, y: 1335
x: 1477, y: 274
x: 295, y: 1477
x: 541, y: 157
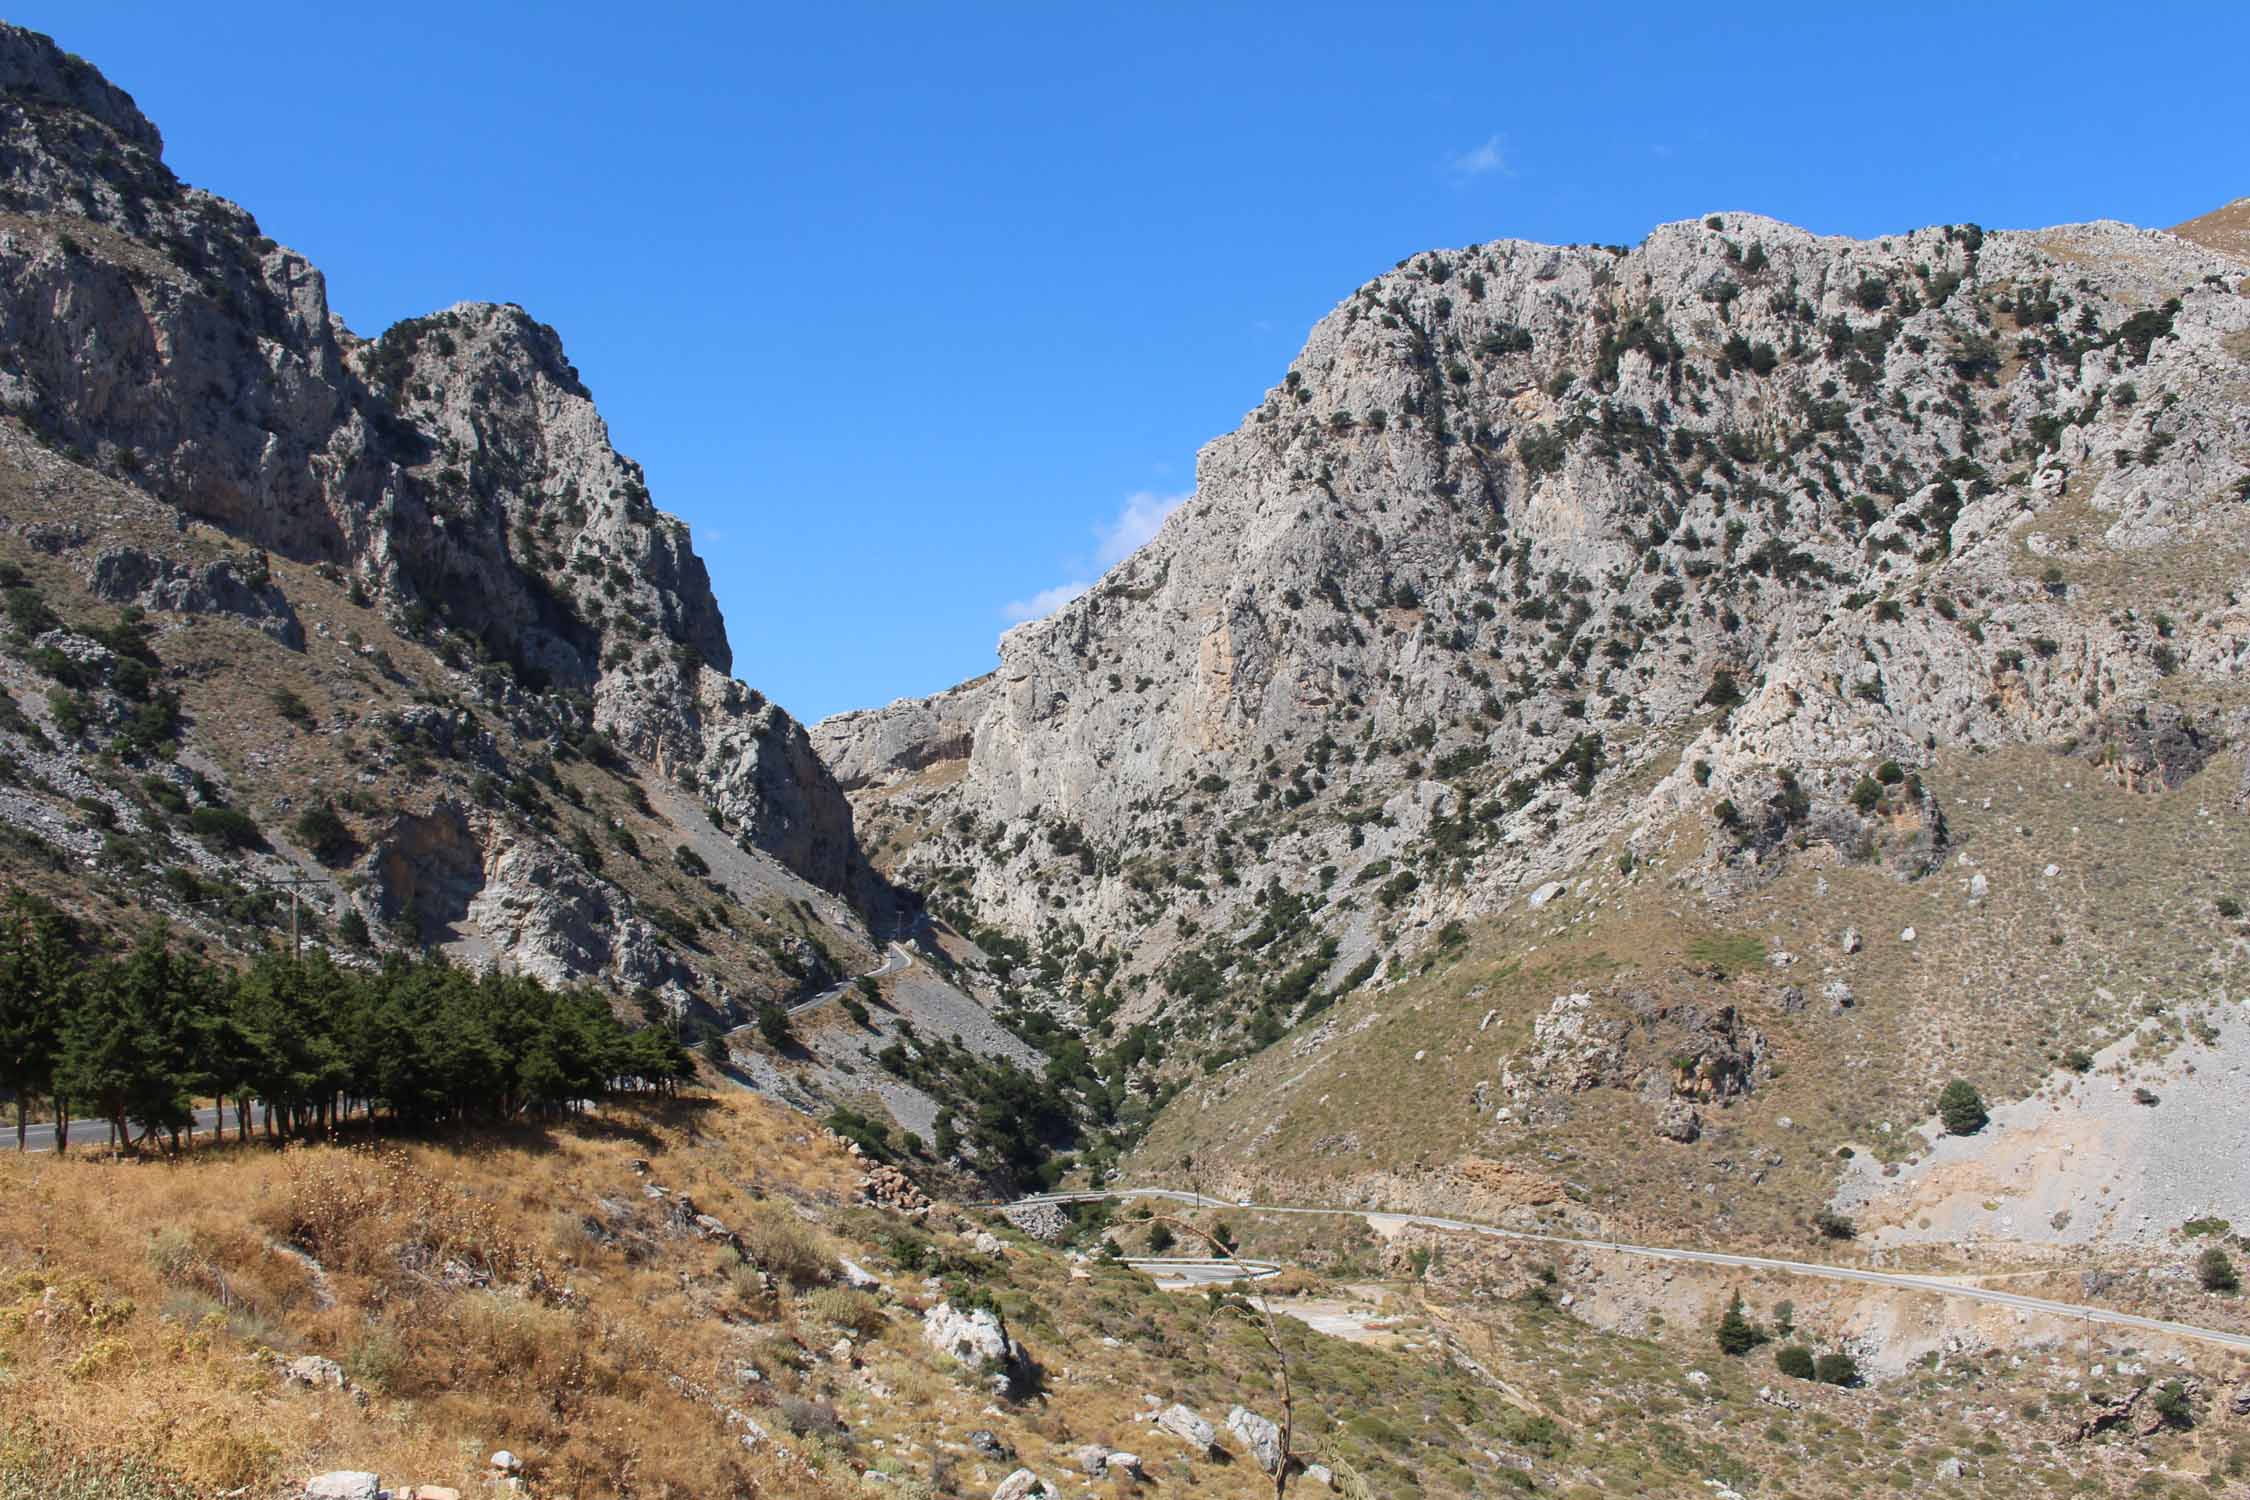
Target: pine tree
x: 1737, y: 1334
x: 36, y: 991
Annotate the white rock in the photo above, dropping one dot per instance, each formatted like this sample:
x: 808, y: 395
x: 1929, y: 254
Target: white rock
x: 1906, y: 936
x: 1546, y: 893
x: 858, y: 1276
x: 1259, y: 1434
x: 343, y: 1484
x: 1187, y: 1427
x: 1021, y: 1485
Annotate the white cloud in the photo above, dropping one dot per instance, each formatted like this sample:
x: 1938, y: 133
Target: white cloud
x: 1043, y: 603
x: 1134, y: 525
x: 1481, y: 161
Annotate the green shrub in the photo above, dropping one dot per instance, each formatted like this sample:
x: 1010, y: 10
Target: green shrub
x: 1836, y: 1369
x: 1961, y: 1108
x: 226, y: 828
x: 1737, y: 1334
x: 291, y: 707
x: 2216, y: 1271
x: 773, y: 1025
x: 2171, y: 1403
x: 324, y: 834
x: 1795, y: 1361
x: 843, y: 1307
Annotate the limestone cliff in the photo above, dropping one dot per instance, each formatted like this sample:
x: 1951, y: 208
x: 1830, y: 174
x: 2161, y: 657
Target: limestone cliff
x: 1537, y: 553
x: 491, y: 594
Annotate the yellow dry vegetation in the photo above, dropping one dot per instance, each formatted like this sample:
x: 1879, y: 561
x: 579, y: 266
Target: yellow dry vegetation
x: 147, y: 1309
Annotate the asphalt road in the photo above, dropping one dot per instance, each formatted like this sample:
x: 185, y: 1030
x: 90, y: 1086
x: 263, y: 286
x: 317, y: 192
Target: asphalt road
x: 900, y: 959
x: 1902, y: 1281
x: 1174, y: 1272
x: 95, y: 1133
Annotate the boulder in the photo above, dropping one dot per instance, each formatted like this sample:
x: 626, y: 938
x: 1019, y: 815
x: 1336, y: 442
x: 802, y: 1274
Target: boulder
x: 1321, y: 1475
x: 1260, y: 1435
x: 1545, y: 894
x: 1187, y: 1427
x: 1679, y: 1120
x: 1122, y: 1462
x: 857, y: 1276
x: 311, y: 1371
x: 1021, y: 1485
x: 1092, y: 1459
x: 973, y: 1336
x: 986, y: 1443
x: 979, y: 1339
x: 343, y: 1484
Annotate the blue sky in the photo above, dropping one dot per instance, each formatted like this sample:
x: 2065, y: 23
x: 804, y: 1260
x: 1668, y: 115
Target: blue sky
x: 918, y: 313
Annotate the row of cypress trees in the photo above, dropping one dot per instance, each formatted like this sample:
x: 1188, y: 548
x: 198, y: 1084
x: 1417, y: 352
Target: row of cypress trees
x: 135, y: 1038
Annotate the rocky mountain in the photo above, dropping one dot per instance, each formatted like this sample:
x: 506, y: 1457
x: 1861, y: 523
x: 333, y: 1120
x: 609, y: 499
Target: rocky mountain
x: 1710, y: 559
x: 397, y: 612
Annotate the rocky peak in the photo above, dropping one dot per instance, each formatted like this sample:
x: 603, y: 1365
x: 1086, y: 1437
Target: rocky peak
x: 1521, y: 520
x: 35, y: 72
x: 452, y: 473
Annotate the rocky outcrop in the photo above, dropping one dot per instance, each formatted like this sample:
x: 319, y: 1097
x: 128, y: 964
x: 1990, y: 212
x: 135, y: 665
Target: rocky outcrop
x: 1675, y: 1054
x: 130, y: 576
x: 1522, y: 521
x: 2153, y: 747
x: 978, y: 1338
x: 455, y: 469
x: 912, y: 734
x: 1191, y: 1429
x: 1261, y: 1435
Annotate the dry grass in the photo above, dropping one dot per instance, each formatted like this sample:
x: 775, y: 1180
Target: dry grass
x: 1996, y: 991
x: 146, y: 1306
x: 2225, y: 229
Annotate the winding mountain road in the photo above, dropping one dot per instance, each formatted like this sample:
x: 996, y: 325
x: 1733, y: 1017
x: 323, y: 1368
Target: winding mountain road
x: 1901, y: 1281
x: 898, y: 959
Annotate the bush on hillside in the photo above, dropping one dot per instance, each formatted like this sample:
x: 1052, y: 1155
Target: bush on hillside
x: 1737, y: 1334
x: 1961, y: 1108
x: 1836, y: 1369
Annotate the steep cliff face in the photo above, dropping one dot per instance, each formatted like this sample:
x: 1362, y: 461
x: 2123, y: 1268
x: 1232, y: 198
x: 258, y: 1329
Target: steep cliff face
x: 1536, y: 552
x: 447, y: 497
